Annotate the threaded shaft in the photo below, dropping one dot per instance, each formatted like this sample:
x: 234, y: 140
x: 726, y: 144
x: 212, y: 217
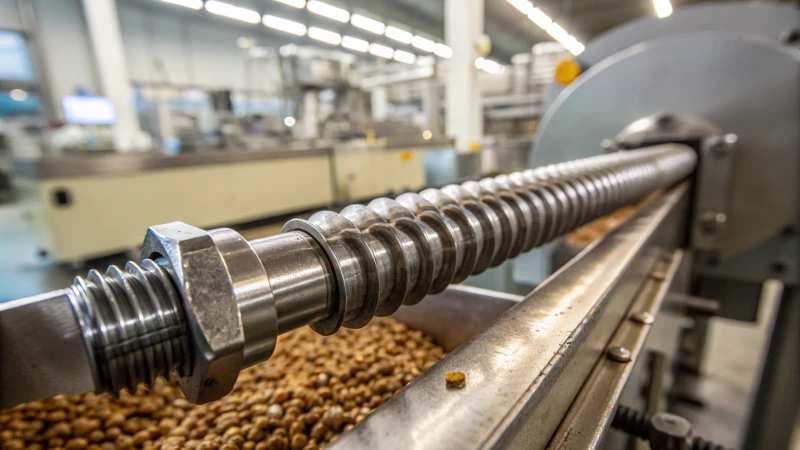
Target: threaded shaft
x: 394, y: 252
x: 699, y: 443
x: 381, y: 256
x: 133, y: 324
x: 632, y: 422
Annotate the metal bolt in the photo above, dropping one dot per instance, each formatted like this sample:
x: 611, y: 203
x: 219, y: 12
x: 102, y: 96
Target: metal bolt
x: 790, y: 36
x: 711, y: 222
x: 665, y: 120
x: 609, y: 146
x: 658, y: 275
x: 722, y: 146
x: 643, y: 317
x: 619, y: 354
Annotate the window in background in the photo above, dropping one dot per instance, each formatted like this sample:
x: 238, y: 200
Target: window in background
x: 15, y: 61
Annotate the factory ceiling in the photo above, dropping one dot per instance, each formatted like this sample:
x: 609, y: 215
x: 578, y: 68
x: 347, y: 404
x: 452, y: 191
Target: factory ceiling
x: 511, y: 31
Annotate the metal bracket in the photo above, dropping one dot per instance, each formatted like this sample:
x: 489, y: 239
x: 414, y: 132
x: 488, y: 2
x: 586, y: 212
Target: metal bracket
x: 712, y: 192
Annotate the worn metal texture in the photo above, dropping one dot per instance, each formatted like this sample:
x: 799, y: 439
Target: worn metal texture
x: 30, y: 365
x: 525, y: 370
x: 457, y: 314
x: 591, y: 414
x: 212, y: 315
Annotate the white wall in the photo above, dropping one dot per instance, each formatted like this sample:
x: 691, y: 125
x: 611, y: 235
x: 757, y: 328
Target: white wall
x: 194, y: 50
x: 65, y: 45
x: 9, y: 16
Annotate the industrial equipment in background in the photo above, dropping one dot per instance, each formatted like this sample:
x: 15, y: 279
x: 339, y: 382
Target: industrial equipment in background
x: 707, y: 142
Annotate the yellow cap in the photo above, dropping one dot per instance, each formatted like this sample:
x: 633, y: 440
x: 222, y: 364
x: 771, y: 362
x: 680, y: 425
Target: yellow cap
x: 567, y: 71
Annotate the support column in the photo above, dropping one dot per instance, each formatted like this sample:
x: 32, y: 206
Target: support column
x: 380, y: 103
x: 311, y: 114
x: 109, y: 55
x: 463, y: 24
x: 431, y: 105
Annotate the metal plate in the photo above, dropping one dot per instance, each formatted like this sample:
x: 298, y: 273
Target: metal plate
x: 742, y: 83
x: 760, y: 19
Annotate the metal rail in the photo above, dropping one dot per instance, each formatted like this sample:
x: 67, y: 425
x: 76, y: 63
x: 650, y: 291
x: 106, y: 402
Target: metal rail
x: 207, y: 304
x: 525, y: 372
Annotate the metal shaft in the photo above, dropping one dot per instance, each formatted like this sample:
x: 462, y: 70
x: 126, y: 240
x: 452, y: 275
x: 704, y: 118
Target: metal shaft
x: 342, y: 269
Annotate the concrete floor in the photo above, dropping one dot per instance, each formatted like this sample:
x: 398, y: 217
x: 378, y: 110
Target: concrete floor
x: 730, y: 374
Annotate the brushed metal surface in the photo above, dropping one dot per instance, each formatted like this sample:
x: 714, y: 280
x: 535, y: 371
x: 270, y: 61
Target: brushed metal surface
x: 42, y: 351
x: 525, y: 370
x: 742, y: 83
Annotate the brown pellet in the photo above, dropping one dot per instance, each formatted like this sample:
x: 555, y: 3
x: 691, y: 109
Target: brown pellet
x: 310, y: 391
x: 455, y: 380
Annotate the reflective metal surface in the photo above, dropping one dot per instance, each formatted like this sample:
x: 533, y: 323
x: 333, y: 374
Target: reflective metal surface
x: 457, y: 314
x: 766, y: 20
x: 204, y: 304
x: 524, y: 371
x: 42, y: 351
x: 590, y: 415
x: 741, y: 83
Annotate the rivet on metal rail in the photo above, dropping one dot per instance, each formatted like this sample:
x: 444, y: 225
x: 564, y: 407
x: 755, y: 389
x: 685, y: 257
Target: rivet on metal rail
x: 619, y: 354
x: 643, y: 317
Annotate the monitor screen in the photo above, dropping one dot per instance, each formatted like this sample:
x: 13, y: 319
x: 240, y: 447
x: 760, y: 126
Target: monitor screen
x: 88, y: 110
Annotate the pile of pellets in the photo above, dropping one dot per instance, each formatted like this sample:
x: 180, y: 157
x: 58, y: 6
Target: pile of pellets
x: 312, y: 389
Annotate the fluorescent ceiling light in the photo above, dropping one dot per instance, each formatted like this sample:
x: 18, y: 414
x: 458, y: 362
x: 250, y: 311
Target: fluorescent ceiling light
x: 232, y: 11
x: 193, y: 4
x: 293, y: 3
x: 324, y: 35
x: 489, y: 66
x: 329, y: 11
x: 381, y: 50
x: 404, y: 57
x: 285, y: 25
x: 399, y: 35
x: 556, y: 32
x: 423, y: 44
x: 523, y: 6
x: 576, y: 49
x: 365, y: 23
x: 541, y: 19
x: 443, y: 51
x: 663, y: 7
x: 356, y: 44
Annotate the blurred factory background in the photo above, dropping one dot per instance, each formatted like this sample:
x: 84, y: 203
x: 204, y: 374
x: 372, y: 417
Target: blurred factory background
x: 115, y: 115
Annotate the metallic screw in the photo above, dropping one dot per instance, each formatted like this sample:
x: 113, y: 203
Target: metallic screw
x: 722, y: 147
x: 619, y: 354
x: 711, y: 222
x: 658, y: 275
x: 609, y: 146
x: 643, y: 317
x: 790, y: 36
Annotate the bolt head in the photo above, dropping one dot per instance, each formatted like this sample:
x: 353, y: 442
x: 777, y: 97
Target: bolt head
x: 711, y: 222
x: 722, y: 146
x: 619, y: 354
x: 669, y: 431
x: 643, y: 317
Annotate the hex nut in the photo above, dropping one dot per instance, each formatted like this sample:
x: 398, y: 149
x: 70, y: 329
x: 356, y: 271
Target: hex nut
x: 209, y: 300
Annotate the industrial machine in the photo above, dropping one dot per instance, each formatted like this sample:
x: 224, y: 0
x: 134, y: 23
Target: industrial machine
x: 704, y: 110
